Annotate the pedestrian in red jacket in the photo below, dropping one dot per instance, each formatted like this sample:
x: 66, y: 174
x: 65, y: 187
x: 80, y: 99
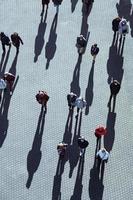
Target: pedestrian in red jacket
x: 100, y: 131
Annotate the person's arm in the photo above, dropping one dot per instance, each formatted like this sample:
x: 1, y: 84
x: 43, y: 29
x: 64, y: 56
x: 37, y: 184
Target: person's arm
x: 20, y: 40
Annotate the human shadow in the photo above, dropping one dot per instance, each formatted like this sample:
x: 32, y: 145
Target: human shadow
x: 74, y: 86
x: 50, y: 47
x: 115, y: 61
x: 56, y: 191
x: 73, y: 5
x: 84, y: 28
x: 35, y: 154
x: 68, y: 128
x: 110, y: 136
x: 96, y: 186
x: 74, y: 149
x: 125, y: 10
x: 12, y: 69
x: 89, y: 89
x: 3, y: 63
x: 4, y: 107
x: 86, y: 10
x: 112, y: 107
x: 39, y: 40
x: 77, y: 193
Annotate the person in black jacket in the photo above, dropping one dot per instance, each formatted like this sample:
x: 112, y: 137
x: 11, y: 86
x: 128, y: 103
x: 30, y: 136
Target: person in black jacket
x: 4, y: 41
x: 81, y: 44
x: 82, y: 143
x: 115, y: 24
x: 114, y: 90
x: 71, y: 98
x: 16, y: 40
x: 94, y: 51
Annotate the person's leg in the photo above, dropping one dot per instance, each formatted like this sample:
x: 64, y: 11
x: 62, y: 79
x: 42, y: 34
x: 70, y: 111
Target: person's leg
x: 10, y: 86
x: 17, y: 47
x: 3, y: 47
x: 109, y: 102
x: 77, y: 112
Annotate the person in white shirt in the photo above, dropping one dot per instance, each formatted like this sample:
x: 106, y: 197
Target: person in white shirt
x: 123, y: 28
x: 80, y: 103
x: 103, y: 155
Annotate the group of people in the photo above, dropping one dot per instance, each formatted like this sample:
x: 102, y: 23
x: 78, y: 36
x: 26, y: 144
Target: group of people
x: 81, y: 46
x: 15, y: 39
x: 121, y: 27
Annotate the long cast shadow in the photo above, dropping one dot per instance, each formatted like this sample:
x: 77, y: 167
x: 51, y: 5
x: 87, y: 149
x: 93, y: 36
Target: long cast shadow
x: 110, y: 136
x: 74, y: 149
x: 35, y: 154
x: 4, y: 63
x: 77, y: 193
x: 68, y: 128
x: 125, y: 10
x: 50, y: 48
x: 115, y: 61
x: 74, y: 86
x: 39, y: 40
x: 13, y: 66
x: 4, y: 107
x: 89, y: 90
x: 96, y: 186
x: 73, y: 4
x: 56, y: 191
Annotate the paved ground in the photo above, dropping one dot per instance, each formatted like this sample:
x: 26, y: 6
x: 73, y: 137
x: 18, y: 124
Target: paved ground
x: 49, y: 60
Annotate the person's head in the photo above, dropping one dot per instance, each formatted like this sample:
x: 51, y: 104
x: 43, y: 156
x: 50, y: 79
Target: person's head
x: 15, y: 34
x: 103, y: 150
x: 95, y: 45
x: 2, y: 34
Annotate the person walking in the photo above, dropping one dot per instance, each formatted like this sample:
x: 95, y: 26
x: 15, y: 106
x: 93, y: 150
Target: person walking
x: 42, y: 98
x: 100, y: 131
x: 16, y: 40
x: 61, y: 148
x: 9, y: 78
x: 82, y: 143
x: 115, y: 24
x: 80, y: 103
x: 94, y: 51
x: 81, y: 44
x: 102, y: 155
x: 123, y: 27
x: 5, y: 41
x: 71, y: 98
x: 114, y: 90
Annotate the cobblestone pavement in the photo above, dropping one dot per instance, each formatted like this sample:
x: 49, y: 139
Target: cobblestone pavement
x: 48, y: 60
